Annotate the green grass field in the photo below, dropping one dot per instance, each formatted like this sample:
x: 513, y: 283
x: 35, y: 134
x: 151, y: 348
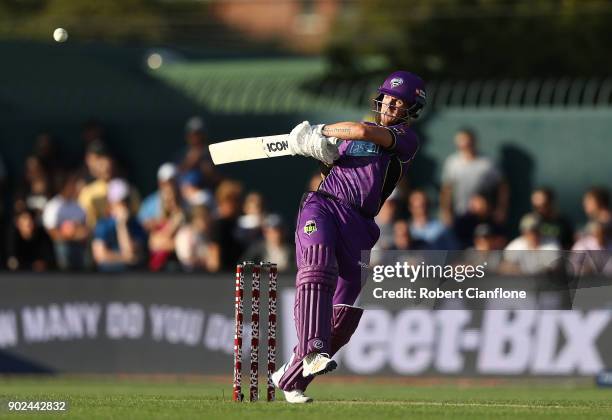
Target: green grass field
x: 148, y: 398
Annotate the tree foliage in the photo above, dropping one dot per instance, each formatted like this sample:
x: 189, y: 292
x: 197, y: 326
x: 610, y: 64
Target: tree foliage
x: 107, y: 20
x: 467, y: 39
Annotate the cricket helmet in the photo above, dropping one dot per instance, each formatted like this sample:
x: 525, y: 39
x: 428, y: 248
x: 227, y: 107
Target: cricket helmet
x: 406, y: 86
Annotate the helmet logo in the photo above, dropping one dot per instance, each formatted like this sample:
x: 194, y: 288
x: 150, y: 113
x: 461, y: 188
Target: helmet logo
x: 397, y: 81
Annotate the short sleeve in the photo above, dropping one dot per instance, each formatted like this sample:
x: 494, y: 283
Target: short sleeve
x: 405, y: 142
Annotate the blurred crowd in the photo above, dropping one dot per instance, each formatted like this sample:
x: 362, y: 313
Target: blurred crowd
x: 92, y: 218
x: 472, y: 214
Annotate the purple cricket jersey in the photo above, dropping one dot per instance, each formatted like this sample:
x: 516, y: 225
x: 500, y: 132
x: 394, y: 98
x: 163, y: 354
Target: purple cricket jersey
x: 365, y: 174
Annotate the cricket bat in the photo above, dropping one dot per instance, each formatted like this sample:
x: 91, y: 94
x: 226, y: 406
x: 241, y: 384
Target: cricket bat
x: 249, y: 149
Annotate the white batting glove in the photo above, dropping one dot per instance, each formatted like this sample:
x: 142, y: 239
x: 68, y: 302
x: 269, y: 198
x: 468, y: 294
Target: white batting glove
x: 298, y: 139
x: 307, y: 140
x: 324, y: 149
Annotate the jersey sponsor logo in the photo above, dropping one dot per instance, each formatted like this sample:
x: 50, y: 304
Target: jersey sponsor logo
x: 362, y: 148
x: 310, y: 227
x: 397, y: 81
x: 277, y: 146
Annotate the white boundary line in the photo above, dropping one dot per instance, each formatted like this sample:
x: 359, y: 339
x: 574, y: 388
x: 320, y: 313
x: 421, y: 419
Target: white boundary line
x: 459, y: 404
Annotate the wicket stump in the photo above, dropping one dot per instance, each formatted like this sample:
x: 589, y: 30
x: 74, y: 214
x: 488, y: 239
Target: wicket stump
x: 255, y: 319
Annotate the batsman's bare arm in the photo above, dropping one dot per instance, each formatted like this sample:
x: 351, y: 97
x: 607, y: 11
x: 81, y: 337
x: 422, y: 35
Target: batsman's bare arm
x: 359, y: 131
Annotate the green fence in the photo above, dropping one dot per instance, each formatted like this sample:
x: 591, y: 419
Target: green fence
x: 552, y: 132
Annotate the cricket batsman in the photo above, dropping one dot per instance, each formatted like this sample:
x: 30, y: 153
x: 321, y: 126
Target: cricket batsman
x: 364, y: 162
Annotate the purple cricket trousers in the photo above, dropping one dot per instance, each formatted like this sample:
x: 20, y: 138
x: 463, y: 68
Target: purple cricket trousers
x: 330, y: 237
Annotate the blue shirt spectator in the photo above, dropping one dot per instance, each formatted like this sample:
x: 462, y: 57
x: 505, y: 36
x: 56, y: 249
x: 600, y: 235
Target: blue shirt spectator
x: 423, y: 228
x: 151, y: 209
x: 106, y: 231
x: 119, y: 241
x: 192, y: 192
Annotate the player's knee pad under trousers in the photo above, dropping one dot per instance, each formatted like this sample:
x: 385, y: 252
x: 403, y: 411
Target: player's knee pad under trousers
x: 316, y: 282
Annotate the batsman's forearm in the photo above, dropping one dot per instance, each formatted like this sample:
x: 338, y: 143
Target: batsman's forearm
x: 359, y: 131
x: 345, y: 130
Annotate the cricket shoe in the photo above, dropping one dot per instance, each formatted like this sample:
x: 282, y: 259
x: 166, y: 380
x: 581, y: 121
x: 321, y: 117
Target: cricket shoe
x: 294, y: 397
x: 317, y: 364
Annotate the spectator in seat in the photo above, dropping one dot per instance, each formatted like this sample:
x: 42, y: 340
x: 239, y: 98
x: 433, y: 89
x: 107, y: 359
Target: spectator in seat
x: 596, y: 204
x: 225, y: 247
x: 93, y: 196
x: 36, y: 187
x: 531, y: 253
x: 402, y: 240
x: 163, y: 231
x: 273, y: 247
x: 426, y: 229
x: 95, y: 151
x: 193, y: 241
x: 46, y: 150
x: 479, y: 211
x: 488, y: 237
x: 250, y: 223
x: 192, y: 192
x: 487, y: 244
x: 29, y: 246
x: 466, y: 173
x: 119, y: 241
x: 592, y: 251
x: 93, y: 137
x: 151, y: 208
x: 65, y: 222
x: 598, y: 238
x: 553, y: 225
x: 196, y: 157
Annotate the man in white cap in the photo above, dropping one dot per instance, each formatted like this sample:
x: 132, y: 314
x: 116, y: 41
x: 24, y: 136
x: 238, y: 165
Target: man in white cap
x: 119, y: 241
x: 150, y: 210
